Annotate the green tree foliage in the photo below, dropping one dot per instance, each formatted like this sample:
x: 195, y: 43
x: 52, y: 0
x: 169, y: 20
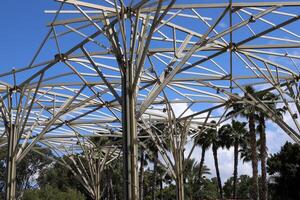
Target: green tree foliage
x: 194, y: 188
x: 58, y: 176
x: 55, y: 181
x: 285, y: 170
x: 254, y: 114
x: 208, y: 189
x: 191, y: 178
x: 234, y: 134
x: 50, y: 193
x: 31, y: 165
x: 204, y: 140
x: 61, y: 177
x: 243, y: 187
x: 270, y: 98
x: 112, y: 181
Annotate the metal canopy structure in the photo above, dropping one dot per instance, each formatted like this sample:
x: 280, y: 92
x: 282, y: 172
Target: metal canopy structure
x: 118, y: 70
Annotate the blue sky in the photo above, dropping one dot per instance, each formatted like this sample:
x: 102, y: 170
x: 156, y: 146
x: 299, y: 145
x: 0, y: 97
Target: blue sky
x: 23, y: 26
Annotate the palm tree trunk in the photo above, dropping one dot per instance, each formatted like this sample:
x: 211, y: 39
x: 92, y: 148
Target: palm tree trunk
x: 254, y: 159
x: 215, y: 154
x: 201, y: 162
x: 263, y: 157
x: 141, y: 177
x: 154, y: 176
x: 235, y: 171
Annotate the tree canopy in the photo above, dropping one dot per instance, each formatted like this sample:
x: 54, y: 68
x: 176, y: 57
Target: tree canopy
x: 284, y: 168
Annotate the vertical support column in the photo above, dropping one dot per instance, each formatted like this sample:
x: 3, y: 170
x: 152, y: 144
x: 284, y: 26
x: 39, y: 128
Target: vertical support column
x: 231, y: 45
x: 11, y: 164
x: 129, y: 128
x: 179, y: 174
x: 98, y: 188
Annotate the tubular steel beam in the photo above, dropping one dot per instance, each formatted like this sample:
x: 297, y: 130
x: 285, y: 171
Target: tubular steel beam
x: 129, y: 127
x: 11, y: 164
x: 224, y: 5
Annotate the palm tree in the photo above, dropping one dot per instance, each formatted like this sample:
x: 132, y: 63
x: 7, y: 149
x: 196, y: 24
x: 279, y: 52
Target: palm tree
x: 216, y: 143
x: 233, y: 135
x: 203, y: 140
x: 240, y: 133
x: 270, y: 100
x: 250, y: 112
x: 215, y: 155
x: 191, y: 177
x: 207, y: 139
x: 247, y: 151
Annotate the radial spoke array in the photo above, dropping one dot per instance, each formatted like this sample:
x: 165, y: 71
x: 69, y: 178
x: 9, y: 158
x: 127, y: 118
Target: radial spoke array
x: 121, y: 71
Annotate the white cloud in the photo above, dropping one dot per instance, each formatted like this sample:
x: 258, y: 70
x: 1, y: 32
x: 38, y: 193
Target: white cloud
x: 225, y: 158
x: 222, y: 25
x: 180, y: 109
x: 275, y: 137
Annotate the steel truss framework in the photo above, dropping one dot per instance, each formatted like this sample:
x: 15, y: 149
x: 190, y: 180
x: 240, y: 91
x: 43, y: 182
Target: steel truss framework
x: 118, y: 70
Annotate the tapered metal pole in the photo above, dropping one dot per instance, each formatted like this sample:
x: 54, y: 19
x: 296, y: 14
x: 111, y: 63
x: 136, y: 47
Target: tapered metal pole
x: 179, y: 174
x: 129, y: 127
x: 11, y: 164
x: 97, y: 188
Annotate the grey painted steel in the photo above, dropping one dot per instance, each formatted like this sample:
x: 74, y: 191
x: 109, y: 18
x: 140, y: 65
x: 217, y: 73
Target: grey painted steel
x: 11, y: 164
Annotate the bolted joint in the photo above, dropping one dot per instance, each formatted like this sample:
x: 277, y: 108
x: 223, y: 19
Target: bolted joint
x: 203, y: 42
x: 232, y: 46
x: 297, y: 78
x: 235, y: 9
x: 252, y: 19
x: 128, y: 11
x: 14, y: 89
x: 295, y: 116
x: 60, y: 57
x: 167, y: 71
x: 129, y: 62
x: 125, y: 12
